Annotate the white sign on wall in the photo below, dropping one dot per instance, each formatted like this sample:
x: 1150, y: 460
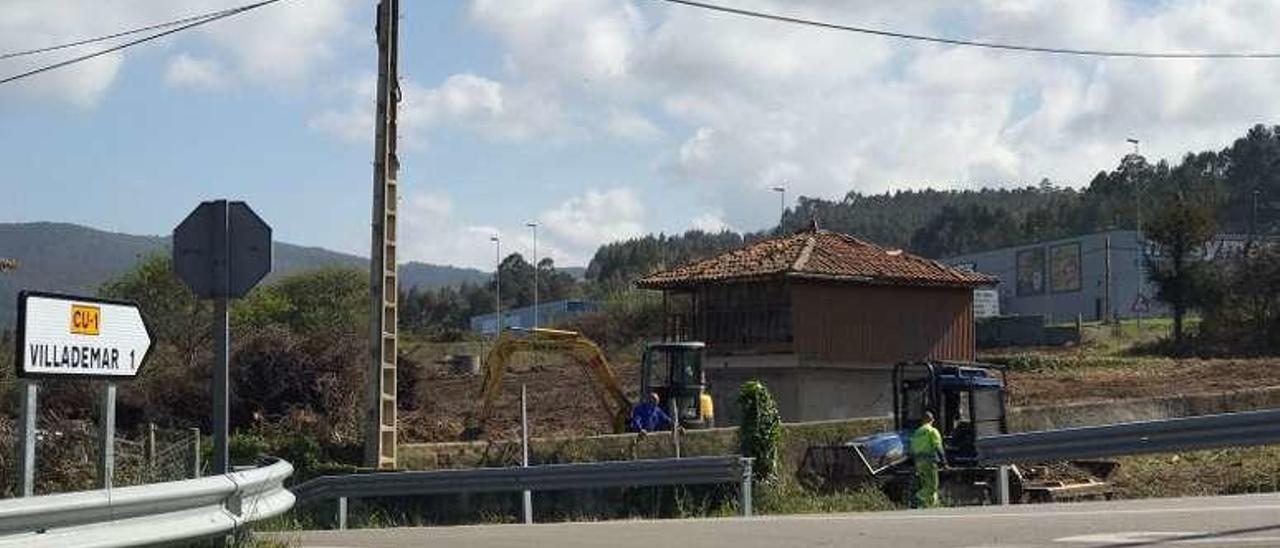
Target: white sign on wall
x: 69, y: 336
x: 986, y: 303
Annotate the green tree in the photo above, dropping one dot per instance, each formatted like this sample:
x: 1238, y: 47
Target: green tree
x: 328, y: 300
x: 760, y: 436
x: 1178, y: 232
x: 172, y: 312
x: 1243, y: 315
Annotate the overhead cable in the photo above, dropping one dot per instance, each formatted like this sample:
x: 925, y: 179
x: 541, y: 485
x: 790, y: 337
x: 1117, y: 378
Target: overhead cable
x: 190, y: 22
x: 976, y: 43
x: 103, y: 38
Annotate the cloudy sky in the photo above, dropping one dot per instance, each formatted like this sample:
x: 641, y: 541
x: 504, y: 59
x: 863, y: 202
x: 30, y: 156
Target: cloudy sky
x: 598, y: 119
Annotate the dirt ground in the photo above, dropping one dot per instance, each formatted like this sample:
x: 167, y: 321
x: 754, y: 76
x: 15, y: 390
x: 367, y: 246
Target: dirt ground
x: 563, y: 401
x: 1141, y: 378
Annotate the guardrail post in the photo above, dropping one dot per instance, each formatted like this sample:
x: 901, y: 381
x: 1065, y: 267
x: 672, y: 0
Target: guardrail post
x: 745, y: 503
x: 675, y: 426
x: 342, y: 513
x: 1002, y: 484
x: 195, y: 452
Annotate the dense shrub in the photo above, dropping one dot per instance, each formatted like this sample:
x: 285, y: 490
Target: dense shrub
x: 624, y: 318
x: 760, y: 436
x: 1244, y: 316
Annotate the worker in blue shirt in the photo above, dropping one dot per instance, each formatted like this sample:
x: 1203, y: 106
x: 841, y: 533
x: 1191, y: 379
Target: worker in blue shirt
x: 648, y: 416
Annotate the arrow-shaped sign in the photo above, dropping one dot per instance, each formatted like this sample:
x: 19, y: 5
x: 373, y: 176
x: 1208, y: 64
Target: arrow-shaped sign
x: 70, y: 336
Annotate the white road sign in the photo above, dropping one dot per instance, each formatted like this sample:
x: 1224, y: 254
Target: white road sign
x: 68, y: 336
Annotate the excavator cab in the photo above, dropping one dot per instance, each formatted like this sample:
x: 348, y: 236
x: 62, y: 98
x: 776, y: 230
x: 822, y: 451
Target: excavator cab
x: 967, y: 400
x: 673, y: 370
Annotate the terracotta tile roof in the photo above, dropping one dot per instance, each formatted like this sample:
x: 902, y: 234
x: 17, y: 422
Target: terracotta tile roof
x: 816, y: 254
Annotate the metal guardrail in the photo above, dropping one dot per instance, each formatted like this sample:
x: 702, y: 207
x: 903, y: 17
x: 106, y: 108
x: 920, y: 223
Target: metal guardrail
x: 550, y: 477
x: 147, y: 514
x: 1132, y: 438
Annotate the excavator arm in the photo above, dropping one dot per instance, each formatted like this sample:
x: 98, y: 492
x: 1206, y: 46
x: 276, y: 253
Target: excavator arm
x: 585, y: 353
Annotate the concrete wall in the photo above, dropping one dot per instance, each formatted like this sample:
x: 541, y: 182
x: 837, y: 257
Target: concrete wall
x: 805, y: 390
x: 798, y: 436
x: 1052, y: 417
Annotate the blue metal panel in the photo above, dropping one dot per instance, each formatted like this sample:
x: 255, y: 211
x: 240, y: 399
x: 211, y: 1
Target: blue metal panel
x: 549, y: 313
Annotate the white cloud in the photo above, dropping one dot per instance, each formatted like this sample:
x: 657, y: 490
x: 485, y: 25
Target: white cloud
x: 433, y: 231
x: 584, y: 222
x: 463, y: 100
x: 278, y: 46
x: 710, y: 222
x: 632, y: 126
x: 192, y: 72
x: 758, y: 102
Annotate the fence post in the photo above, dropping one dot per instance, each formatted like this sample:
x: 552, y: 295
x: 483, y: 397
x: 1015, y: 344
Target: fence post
x: 342, y: 513
x: 746, y: 487
x: 195, y: 452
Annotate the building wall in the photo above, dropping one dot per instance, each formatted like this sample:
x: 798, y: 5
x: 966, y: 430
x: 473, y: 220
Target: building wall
x: 1038, y: 288
x: 878, y: 326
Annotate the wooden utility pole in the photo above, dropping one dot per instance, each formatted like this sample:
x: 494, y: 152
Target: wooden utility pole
x: 380, y: 431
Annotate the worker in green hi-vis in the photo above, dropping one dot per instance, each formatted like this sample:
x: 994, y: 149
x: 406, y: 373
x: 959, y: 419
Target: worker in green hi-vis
x: 926, y: 451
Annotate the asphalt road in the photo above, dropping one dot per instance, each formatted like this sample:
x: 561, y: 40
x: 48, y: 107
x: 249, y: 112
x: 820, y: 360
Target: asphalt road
x: 1240, y: 521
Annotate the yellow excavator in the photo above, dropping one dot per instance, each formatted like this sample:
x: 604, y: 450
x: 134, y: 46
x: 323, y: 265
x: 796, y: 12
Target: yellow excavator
x: 670, y: 369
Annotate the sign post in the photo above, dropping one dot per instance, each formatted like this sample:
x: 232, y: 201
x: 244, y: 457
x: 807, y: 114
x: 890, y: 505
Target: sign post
x: 65, y: 336
x: 221, y: 250
x: 27, y: 454
x: 107, y: 437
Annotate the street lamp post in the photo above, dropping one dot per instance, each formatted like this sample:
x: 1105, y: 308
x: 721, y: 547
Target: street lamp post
x: 497, y: 284
x: 782, y: 204
x: 1142, y: 241
x: 534, y: 226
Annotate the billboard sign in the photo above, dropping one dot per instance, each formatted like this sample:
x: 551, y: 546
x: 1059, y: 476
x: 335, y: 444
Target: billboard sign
x: 1030, y: 272
x: 1064, y: 268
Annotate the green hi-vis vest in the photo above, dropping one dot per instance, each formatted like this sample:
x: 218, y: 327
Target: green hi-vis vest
x: 926, y: 442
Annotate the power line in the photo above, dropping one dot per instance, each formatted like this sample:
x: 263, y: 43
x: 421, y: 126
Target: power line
x: 193, y: 22
x: 106, y: 37
x: 979, y: 44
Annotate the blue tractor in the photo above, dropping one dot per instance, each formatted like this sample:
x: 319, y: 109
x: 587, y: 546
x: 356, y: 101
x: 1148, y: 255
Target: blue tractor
x: 968, y: 402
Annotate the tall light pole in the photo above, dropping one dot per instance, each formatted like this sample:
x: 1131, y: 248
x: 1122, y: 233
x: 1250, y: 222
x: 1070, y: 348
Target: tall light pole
x: 1142, y: 241
x: 497, y: 284
x: 1136, y: 182
x: 534, y: 226
x: 782, y: 203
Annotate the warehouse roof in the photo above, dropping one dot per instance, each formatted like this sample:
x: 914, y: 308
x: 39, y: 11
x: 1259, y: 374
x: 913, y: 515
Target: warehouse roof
x: 820, y: 255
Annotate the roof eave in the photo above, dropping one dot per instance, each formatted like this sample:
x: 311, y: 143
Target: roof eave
x: 905, y: 282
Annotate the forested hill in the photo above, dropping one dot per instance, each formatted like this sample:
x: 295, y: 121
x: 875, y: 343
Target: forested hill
x: 942, y: 223
x: 76, y: 259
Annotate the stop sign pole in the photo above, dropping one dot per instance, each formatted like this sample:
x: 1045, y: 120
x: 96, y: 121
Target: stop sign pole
x: 221, y: 250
